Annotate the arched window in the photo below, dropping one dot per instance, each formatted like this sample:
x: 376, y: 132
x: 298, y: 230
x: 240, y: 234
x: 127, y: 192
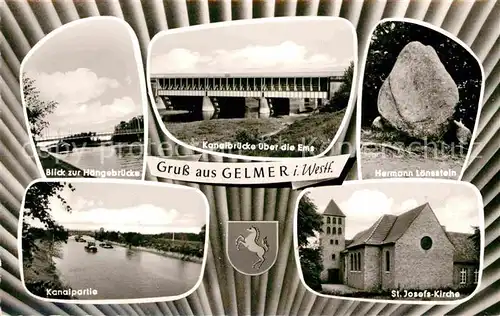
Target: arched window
x: 331, y: 241
x: 334, y: 220
x: 387, y: 261
x: 340, y: 231
x: 340, y: 220
x: 351, y: 261
x: 328, y: 220
x: 355, y: 262
x: 334, y: 231
x: 333, y: 256
x: 336, y: 242
x: 328, y: 231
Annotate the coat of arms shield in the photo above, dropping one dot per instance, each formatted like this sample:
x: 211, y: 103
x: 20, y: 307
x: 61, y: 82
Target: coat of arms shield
x: 252, y: 246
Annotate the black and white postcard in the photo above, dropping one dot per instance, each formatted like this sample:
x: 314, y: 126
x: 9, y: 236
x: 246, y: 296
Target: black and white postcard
x: 108, y: 241
x: 84, y: 97
x: 406, y: 240
x: 419, y: 103
x: 265, y: 88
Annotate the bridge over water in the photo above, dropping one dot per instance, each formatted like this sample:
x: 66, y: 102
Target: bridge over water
x: 93, y: 136
x: 209, y: 93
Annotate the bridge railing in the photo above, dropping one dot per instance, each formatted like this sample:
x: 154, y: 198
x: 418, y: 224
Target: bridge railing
x: 97, y: 135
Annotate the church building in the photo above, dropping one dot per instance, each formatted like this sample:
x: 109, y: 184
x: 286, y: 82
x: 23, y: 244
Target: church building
x: 408, y: 251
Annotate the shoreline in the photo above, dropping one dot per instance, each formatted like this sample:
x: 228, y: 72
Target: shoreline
x: 174, y: 255
x: 49, y: 161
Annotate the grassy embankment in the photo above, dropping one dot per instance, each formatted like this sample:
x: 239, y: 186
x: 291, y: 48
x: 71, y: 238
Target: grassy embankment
x: 186, y: 250
x: 42, y: 273
x: 392, y: 151
x: 50, y: 162
x: 317, y: 129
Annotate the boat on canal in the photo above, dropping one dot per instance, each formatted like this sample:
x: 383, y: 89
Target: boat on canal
x: 91, y: 247
x: 106, y: 245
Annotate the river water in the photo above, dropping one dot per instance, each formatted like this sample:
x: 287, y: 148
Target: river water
x: 121, y: 273
x: 106, y: 158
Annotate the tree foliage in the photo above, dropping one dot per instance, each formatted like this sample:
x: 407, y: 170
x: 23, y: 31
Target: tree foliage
x: 37, y: 208
x: 387, y: 42
x: 202, y: 233
x: 340, y: 98
x: 476, y: 239
x: 309, y: 222
x: 37, y: 108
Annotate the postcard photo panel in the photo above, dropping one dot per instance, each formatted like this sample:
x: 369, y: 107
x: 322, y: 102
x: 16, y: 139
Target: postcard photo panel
x: 264, y: 89
x: 81, y: 243
x: 420, y: 101
x: 84, y: 95
x: 391, y: 240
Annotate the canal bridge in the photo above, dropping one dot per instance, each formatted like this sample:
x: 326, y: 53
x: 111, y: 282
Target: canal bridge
x: 271, y: 93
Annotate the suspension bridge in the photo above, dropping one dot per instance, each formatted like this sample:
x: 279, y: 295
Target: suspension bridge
x: 93, y: 136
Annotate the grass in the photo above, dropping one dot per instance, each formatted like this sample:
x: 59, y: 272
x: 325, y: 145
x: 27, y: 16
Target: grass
x: 316, y: 130
x: 392, y: 151
x: 391, y: 295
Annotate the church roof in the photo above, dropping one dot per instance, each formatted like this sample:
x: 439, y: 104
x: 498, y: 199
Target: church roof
x: 332, y: 209
x: 465, y: 252
x: 387, y: 229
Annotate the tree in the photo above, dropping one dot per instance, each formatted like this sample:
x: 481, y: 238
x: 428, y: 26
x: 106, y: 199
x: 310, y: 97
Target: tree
x: 202, y: 232
x: 387, y: 42
x: 340, y: 98
x: 37, y: 109
x: 476, y: 239
x: 308, y: 223
x: 36, y: 207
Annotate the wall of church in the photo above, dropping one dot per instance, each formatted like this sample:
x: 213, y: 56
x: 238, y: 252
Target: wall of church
x: 387, y: 276
x: 469, y: 275
x: 417, y: 268
x: 372, y: 268
x: 355, y: 277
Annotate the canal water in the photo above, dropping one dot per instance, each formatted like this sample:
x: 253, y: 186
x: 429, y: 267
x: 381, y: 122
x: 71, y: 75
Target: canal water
x: 106, y: 158
x: 121, y: 273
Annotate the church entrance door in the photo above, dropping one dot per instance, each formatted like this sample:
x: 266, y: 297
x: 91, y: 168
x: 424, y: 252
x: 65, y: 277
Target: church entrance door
x: 334, y: 276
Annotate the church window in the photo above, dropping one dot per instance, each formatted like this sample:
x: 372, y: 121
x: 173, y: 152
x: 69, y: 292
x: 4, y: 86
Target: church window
x: 328, y: 231
x: 328, y: 220
x: 426, y: 243
x: 355, y: 262
x: 334, y: 231
x: 333, y: 256
x: 340, y: 231
x: 331, y: 241
x: 340, y: 221
x: 336, y: 242
x: 476, y: 276
x: 387, y: 261
x: 334, y: 220
x: 351, y: 261
x: 359, y: 261
x: 463, y: 276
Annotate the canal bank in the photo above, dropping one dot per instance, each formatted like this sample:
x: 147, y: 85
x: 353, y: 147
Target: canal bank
x: 50, y: 162
x: 168, y: 254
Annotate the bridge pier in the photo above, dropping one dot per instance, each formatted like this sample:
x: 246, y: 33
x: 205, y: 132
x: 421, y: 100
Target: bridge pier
x: 264, y: 109
x: 207, y: 108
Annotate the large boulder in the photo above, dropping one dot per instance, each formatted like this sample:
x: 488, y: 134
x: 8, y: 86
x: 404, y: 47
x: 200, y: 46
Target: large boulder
x: 419, y: 96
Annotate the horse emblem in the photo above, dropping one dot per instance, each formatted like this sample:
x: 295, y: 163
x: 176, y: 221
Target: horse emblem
x: 251, y: 243
x: 252, y: 246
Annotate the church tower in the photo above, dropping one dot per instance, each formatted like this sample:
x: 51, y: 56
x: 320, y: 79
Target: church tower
x: 332, y: 241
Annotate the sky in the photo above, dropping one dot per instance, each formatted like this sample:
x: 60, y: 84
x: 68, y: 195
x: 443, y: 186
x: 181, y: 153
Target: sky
x: 127, y: 207
x: 270, y: 47
x: 90, y: 69
x: 455, y: 205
